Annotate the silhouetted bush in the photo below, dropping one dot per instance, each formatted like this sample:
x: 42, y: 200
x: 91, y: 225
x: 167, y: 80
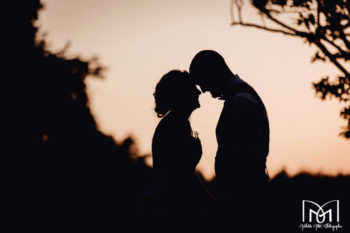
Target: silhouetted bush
x: 68, y: 170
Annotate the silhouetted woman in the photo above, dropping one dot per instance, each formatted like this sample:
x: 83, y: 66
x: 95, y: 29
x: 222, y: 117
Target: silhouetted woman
x: 176, y: 149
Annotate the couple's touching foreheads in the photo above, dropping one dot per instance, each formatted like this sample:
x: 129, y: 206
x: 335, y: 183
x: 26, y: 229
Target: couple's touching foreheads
x: 242, y: 134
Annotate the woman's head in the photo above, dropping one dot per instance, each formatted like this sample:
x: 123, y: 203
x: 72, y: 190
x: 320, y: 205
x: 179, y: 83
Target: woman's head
x: 176, y: 92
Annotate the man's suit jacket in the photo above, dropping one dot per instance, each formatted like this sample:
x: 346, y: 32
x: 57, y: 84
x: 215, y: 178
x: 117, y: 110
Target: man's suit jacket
x: 243, y: 138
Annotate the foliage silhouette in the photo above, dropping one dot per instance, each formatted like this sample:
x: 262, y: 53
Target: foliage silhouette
x: 71, y: 171
x: 324, y: 24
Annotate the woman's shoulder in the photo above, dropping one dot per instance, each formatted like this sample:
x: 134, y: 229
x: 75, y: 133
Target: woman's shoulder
x: 170, y: 124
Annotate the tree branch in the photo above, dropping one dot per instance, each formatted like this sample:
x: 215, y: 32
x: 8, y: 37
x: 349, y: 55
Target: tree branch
x: 263, y: 28
x: 308, y: 36
x: 299, y: 33
x: 332, y: 58
x: 341, y: 51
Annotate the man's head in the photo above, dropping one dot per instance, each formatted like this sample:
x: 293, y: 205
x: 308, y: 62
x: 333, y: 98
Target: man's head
x: 208, y: 69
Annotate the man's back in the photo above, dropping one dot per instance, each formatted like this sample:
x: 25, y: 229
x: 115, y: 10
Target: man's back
x: 243, y: 139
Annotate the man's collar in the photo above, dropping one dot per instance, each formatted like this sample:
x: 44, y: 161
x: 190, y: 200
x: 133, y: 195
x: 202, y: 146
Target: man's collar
x: 233, y: 83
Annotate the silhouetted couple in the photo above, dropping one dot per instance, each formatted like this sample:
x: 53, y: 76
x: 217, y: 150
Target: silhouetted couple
x: 243, y: 144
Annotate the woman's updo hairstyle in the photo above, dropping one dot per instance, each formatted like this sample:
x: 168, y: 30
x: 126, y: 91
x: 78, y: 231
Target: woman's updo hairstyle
x: 169, y: 91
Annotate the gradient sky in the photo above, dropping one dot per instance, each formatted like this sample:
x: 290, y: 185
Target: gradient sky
x: 139, y: 41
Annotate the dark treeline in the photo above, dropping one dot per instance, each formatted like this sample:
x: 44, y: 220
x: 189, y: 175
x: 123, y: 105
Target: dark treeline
x: 67, y: 171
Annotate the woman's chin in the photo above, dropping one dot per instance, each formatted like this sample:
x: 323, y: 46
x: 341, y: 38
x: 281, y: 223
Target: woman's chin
x: 194, y: 107
x: 197, y: 105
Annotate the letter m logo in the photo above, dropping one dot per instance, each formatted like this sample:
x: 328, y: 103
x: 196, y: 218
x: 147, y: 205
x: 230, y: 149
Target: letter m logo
x: 327, y: 212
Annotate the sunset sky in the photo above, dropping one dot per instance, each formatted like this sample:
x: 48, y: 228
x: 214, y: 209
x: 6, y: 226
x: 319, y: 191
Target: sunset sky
x: 139, y: 41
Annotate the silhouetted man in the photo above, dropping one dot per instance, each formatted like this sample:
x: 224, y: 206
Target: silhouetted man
x: 242, y: 134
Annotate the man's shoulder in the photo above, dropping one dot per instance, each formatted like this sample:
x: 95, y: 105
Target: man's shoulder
x: 241, y: 99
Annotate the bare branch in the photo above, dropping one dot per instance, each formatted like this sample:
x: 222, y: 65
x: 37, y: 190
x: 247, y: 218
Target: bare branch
x: 300, y: 33
x: 232, y: 11
x: 239, y: 4
x: 263, y: 28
